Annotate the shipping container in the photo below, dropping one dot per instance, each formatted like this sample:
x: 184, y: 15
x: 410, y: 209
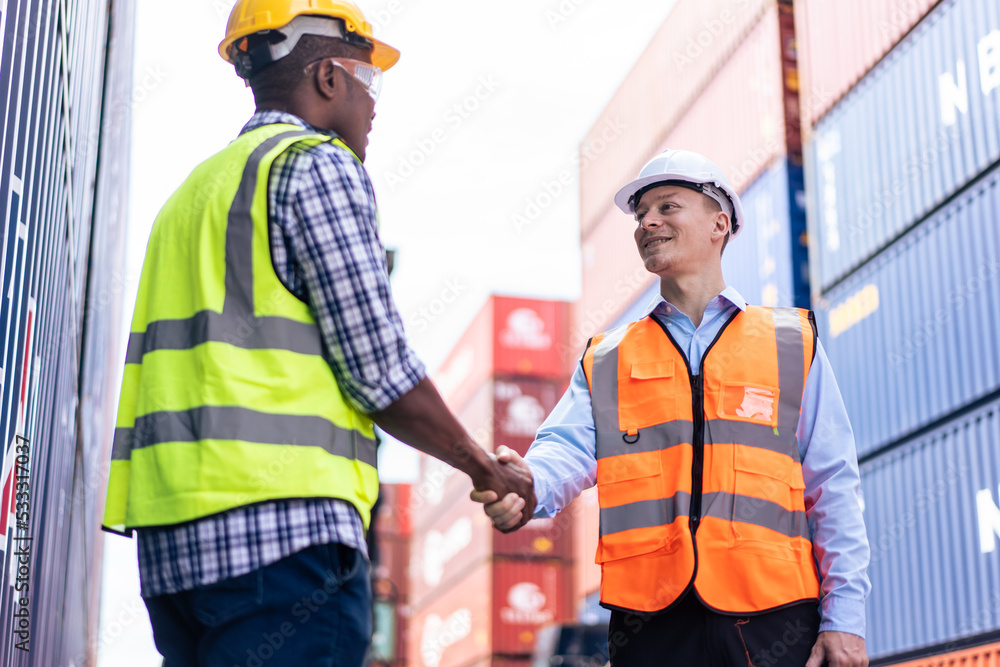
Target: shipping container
x: 549, y: 539
x: 520, y: 405
x: 917, y: 128
x: 979, y: 656
x: 912, y: 335
x: 394, y: 515
x: 455, y: 630
x: 689, y: 48
x: 65, y: 101
x: 457, y: 541
x: 930, y: 506
x: 526, y: 596
x: 586, y: 514
x: 527, y: 335
x: 470, y: 362
x: 838, y: 42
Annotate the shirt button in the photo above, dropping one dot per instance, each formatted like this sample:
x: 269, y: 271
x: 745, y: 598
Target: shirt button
x: 669, y: 310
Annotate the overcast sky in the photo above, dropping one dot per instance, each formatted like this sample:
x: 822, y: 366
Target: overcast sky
x: 487, y: 105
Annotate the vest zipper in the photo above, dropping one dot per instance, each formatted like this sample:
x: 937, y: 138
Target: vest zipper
x: 698, y: 443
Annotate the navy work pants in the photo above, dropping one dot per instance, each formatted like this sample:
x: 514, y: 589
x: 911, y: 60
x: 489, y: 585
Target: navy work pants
x: 690, y: 634
x: 313, y: 609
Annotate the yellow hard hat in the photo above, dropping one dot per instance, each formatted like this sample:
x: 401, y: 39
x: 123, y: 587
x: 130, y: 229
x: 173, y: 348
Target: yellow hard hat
x: 254, y: 16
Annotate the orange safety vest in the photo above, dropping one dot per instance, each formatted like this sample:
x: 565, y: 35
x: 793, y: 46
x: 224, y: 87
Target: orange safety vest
x: 699, y: 476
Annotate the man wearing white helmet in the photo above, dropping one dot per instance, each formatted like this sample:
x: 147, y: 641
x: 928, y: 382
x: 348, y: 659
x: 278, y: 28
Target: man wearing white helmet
x: 731, y: 528
x: 263, y: 348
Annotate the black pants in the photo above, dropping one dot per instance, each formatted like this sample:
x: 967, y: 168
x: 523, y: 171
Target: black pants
x: 691, y: 635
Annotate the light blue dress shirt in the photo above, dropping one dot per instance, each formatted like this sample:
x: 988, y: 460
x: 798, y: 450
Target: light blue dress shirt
x: 563, y: 462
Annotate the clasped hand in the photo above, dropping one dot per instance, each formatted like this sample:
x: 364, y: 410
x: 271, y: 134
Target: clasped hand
x: 516, y: 507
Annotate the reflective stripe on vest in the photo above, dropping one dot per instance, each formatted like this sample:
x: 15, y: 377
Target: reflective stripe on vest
x: 751, y: 505
x: 295, y: 460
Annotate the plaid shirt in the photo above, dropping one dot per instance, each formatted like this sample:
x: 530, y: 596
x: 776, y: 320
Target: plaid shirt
x: 326, y: 250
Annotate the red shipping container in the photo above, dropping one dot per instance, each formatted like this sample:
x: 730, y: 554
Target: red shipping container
x: 455, y: 629
x: 838, y: 42
x: 526, y: 596
x: 527, y: 336
x: 440, y: 484
x: 470, y: 362
x: 393, y: 567
x: 693, y: 43
x: 550, y: 539
x: 586, y: 514
x: 394, y: 510
x: 458, y: 540
x: 520, y: 405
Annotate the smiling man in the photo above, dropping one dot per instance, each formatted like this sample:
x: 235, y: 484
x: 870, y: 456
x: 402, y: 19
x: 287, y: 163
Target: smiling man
x: 731, y: 528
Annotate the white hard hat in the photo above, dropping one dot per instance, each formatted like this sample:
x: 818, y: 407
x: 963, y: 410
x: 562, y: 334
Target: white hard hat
x: 687, y: 169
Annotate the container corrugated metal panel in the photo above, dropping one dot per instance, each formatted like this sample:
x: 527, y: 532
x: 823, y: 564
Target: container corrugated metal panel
x: 526, y: 596
x: 64, y: 86
x: 470, y: 362
x: 980, y: 656
x: 838, y: 42
x: 916, y: 129
x: 930, y: 507
x: 912, y: 334
x: 520, y: 405
x: 693, y: 43
x: 759, y: 263
x: 457, y: 541
x: 586, y: 513
x: 455, y: 630
x: 744, y: 143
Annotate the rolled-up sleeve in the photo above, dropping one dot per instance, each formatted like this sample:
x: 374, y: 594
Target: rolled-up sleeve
x: 832, y: 499
x: 336, y: 250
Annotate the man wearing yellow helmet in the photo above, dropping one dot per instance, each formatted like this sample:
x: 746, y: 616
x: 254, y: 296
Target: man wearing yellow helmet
x: 263, y: 349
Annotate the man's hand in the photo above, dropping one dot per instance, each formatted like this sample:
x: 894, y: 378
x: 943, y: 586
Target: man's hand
x: 838, y: 649
x: 514, y: 509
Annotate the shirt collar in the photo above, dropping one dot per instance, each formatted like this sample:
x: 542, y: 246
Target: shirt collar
x: 729, y: 294
x: 272, y: 117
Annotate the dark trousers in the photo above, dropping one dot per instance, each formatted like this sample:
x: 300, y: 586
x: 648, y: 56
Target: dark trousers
x: 313, y: 608
x: 691, y: 635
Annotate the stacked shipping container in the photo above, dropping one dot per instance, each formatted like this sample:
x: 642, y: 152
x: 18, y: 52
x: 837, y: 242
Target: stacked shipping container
x: 905, y: 255
x: 391, y: 532
x: 477, y: 596
x: 65, y: 93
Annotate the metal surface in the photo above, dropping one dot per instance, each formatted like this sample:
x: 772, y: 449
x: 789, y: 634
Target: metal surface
x: 912, y: 335
x: 838, y: 42
x: 691, y: 45
x: 526, y: 596
x: 456, y: 629
x: 918, y: 127
x: 586, y: 513
x: 528, y: 334
x: 988, y: 654
x: 65, y: 93
x: 930, y: 507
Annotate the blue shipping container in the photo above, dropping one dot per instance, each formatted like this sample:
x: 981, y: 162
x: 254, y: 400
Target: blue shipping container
x: 919, y: 126
x: 65, y: 105
x: 930, y: 507
x: 764, y: 261
x: 912, y: 335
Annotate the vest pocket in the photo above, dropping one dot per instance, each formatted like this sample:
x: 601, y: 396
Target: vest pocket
x: 649, y: 397
x: 768, y: 509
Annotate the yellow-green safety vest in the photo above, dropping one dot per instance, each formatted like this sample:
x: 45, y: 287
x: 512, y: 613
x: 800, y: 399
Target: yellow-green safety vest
x: 227, y: 399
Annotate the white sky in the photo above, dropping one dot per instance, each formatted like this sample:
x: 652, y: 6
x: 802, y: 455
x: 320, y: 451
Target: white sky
x: 488, y: 103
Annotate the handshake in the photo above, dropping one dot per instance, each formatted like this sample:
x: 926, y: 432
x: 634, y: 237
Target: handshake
x: 507, y: 493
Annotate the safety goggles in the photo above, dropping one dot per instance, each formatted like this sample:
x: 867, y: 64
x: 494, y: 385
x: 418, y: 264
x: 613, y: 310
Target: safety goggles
x: 367, y: 74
